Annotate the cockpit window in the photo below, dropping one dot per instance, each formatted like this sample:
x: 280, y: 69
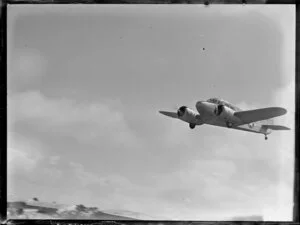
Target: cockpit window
x: 222, y: 102
x: 213, y: 100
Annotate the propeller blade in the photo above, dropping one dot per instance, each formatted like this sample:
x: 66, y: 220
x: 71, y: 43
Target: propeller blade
x: 181, y: 111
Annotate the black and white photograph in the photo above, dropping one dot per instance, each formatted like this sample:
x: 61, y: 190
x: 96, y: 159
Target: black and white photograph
x: 151, y: 112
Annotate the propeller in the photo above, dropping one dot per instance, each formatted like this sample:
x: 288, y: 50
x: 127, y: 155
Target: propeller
x: 181, y: 111
x: 220, y: 109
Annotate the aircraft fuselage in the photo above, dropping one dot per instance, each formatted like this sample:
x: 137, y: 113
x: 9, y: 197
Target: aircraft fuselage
x: 224, y: 117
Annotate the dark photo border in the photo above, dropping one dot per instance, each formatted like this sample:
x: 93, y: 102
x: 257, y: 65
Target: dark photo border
x: 3, y: 112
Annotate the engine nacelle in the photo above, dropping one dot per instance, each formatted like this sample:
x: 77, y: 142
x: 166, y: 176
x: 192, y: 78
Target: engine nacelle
x: 226, y: 113
x: 188, y: 115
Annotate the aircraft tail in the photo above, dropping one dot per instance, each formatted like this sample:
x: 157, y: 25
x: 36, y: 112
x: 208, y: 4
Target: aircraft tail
x: 275, y: 127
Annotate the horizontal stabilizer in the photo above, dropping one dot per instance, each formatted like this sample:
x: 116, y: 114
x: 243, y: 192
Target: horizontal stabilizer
x: 255, y: 115
x: 170, y: 114
x: 276, y: 127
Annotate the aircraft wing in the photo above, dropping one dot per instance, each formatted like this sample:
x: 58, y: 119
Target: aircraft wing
x: 276, y: 127
x: 255, y: 115
x: 170, y: 114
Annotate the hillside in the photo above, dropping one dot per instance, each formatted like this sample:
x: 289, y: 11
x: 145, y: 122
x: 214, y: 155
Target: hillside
x: 44, y: 210
x: 136, y: 215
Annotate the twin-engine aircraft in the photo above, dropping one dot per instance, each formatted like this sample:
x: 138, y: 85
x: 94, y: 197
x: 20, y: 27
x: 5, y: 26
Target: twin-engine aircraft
x: 221, y: 113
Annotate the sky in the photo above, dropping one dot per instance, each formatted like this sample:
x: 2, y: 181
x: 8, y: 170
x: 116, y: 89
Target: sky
x: 86, y: 82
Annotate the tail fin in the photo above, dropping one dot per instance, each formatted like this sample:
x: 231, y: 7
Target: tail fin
x: 275, y: 127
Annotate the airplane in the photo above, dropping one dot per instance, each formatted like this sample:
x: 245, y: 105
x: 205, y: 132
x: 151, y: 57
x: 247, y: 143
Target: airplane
x: 218, y: 112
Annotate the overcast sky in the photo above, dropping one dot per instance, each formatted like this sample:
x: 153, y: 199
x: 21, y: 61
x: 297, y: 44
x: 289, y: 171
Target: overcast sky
x: 85, y: 84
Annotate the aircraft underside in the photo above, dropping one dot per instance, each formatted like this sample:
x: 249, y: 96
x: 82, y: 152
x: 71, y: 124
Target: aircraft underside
x: 254, y: 128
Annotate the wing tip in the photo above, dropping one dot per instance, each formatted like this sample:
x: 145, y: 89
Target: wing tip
x: 170, y: 114
x: 162, y: 112
x: 282, y: 110
x: 276, y: 127
x: 284, y: 128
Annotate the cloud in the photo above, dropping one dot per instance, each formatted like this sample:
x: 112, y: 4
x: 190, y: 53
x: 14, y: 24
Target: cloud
x: 104, y: 191
x: 27, y: 164
x: 54, y: 159
x: 22, y: 154
x: 34, y: 167
x: 212, y: 186
x: 85, y: 178
x: 87, y: 122
x: 27, y: 159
